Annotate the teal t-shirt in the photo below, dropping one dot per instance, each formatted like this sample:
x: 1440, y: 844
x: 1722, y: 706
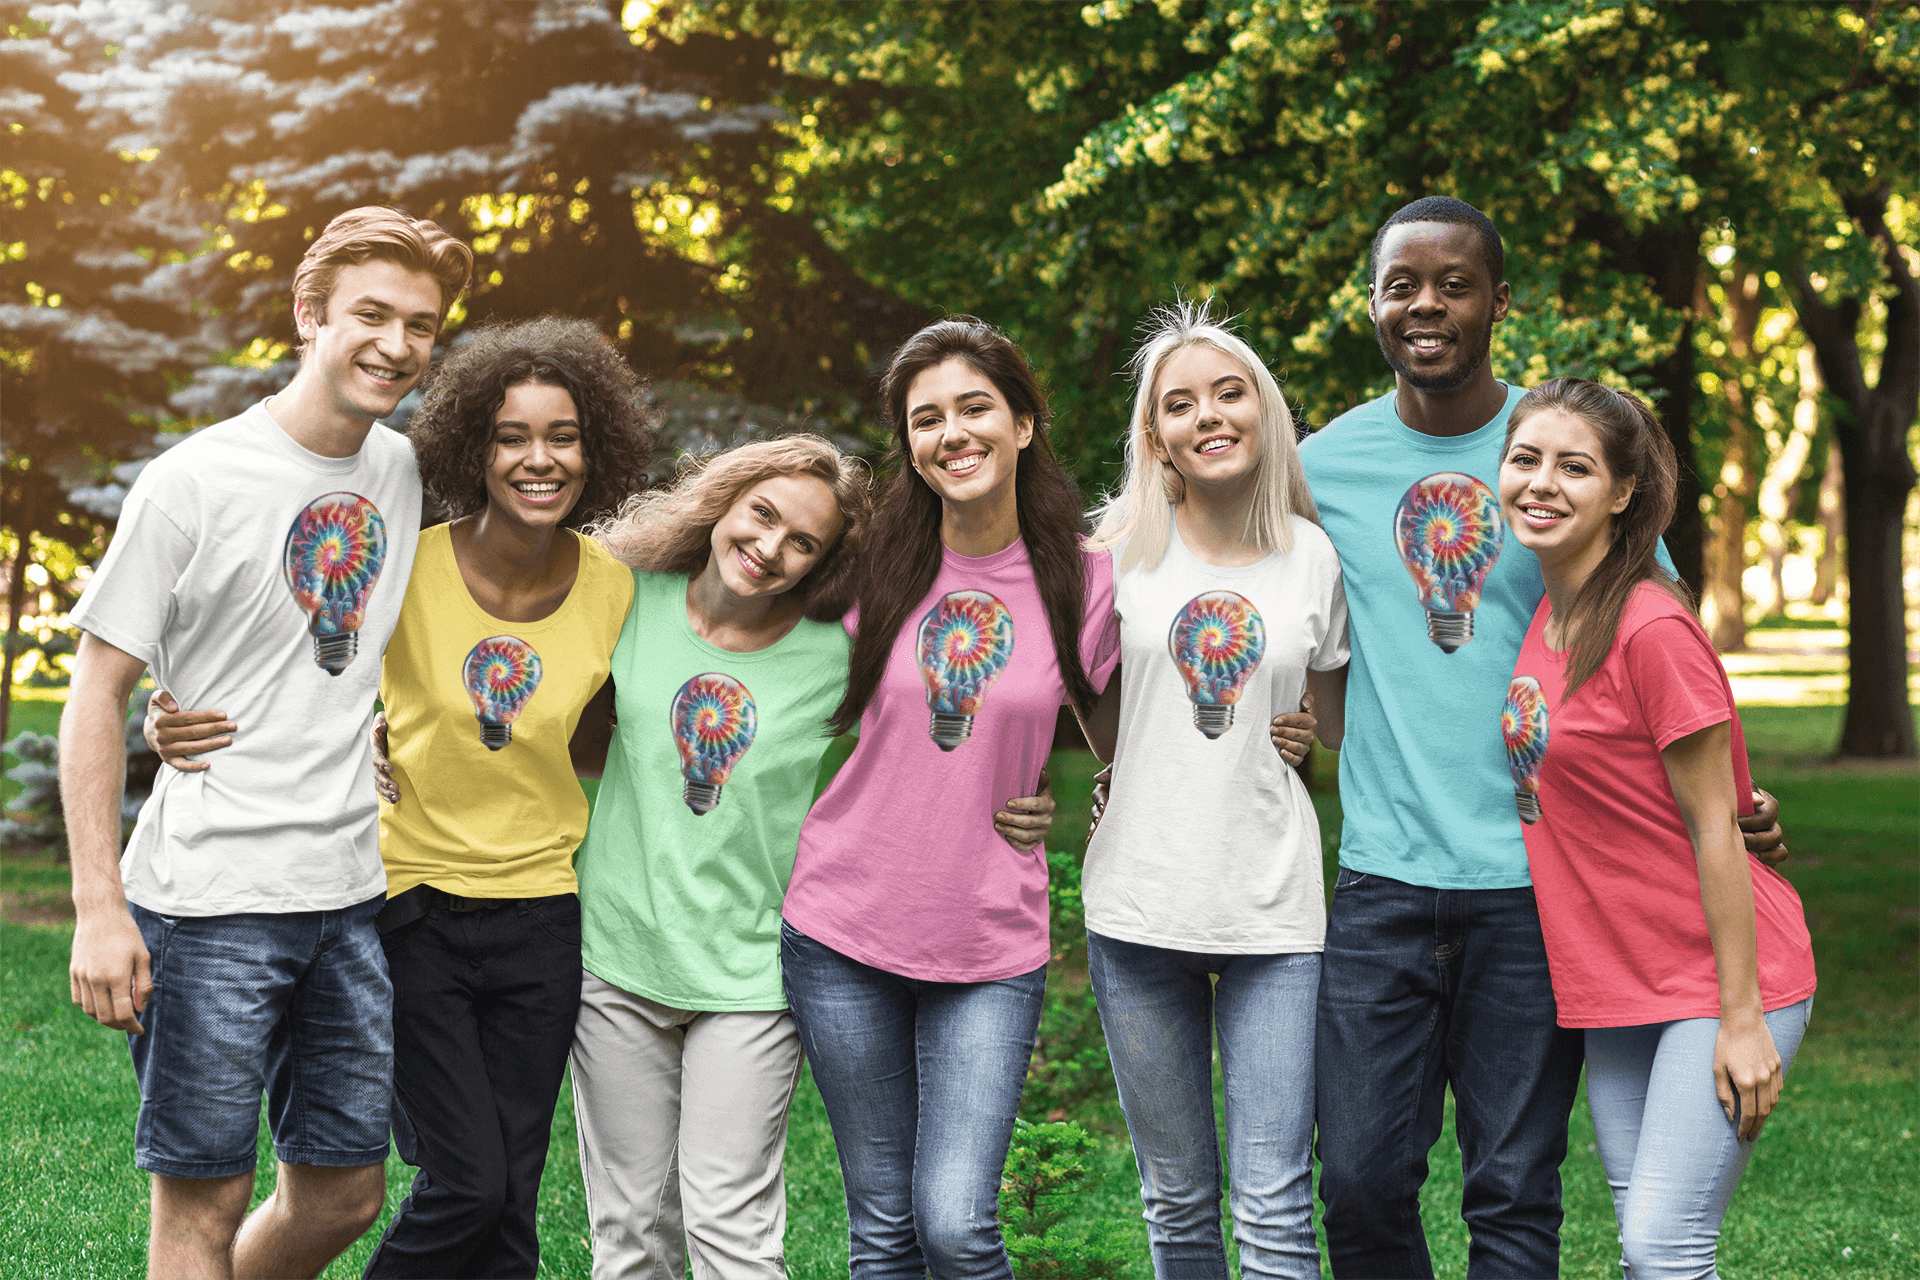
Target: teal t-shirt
x: 680, y: 883
x: 1439, y: 597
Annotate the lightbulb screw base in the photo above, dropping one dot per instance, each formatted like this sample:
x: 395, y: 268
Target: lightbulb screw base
x: 495, y: 736
x: 334, y: 652
x: 1529, y: 806
x: 1212, y: 718
x: 1449, y: 630
x: 701, y: 797
x: 950, y: 729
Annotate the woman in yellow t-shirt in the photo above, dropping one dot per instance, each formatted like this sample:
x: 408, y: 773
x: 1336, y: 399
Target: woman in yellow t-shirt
x: 526, y: 432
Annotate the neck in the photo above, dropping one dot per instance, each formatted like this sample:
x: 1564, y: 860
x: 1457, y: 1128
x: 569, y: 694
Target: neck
x: 1566, y: 575
x: 983, y: 527
x: 307, y: 414
x: 1213, y: 522
x: 505, y: 552
x: 739, y: 623
x: 1466, y: 408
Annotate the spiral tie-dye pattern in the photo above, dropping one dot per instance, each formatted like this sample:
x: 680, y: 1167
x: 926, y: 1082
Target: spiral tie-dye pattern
x: 334, y: 552
x: 1449, y: 532
x: 501, y: 674
x: 965, y: 642
x: 1523, y: 723
x: 714, y: 721
x: 1216, y: 640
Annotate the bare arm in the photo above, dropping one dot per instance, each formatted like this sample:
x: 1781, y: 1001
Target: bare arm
x: 1746, y: 1066
x: 1025, y: 821
x: 1328, y: 690
x: 594, y: 734
x: 110, y: 975
x: 1102, y: 728
x: 177, y: 736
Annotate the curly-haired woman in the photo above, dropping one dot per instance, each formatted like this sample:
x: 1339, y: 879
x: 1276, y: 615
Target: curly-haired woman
x: 510, y: 619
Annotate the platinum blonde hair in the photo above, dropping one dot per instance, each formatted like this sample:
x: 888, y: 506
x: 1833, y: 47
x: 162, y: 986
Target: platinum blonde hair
x: 1137, y: 520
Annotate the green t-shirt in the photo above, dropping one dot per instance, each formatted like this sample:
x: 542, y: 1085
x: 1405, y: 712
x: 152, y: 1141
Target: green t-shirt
x: 679, y: 906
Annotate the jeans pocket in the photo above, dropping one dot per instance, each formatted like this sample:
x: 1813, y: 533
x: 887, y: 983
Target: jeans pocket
x: 1348, y: 879
x: 559, y: 916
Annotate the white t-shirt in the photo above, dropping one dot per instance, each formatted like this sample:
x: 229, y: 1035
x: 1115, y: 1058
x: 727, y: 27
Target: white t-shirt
x: 241, y: 563
x: 1209, y: 843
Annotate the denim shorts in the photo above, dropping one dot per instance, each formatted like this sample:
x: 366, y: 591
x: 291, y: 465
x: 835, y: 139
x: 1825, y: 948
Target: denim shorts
x: 296, y: 1006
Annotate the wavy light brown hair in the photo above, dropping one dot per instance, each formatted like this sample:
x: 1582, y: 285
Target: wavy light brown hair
x: 1634, y: 447
x: 452, y: 431
x: 904, y: 548
x: 670, y: 530
x: 375, y: 232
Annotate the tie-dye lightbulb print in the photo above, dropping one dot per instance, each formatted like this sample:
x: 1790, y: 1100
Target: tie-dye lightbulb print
x: 1523, y: 723
x: 714, y: 721
x: 1216, y: 640
x: 1449, y: 531
x: 335, y: 549
x: 501, y: 674
x: 965, y: 642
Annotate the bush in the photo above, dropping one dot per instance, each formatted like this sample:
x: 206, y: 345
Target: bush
x: 1047, y: 1169
x: 35, y: 820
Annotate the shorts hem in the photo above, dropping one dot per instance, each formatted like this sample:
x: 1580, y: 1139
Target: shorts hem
x: 332, y: 1159
x: 202, y: 1169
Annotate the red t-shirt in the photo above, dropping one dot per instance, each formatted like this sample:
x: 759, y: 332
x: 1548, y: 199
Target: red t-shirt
x: 1613, y: 867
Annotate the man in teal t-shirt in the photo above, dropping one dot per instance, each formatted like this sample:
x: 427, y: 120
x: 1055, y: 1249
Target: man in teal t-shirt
x: 1435, y: 974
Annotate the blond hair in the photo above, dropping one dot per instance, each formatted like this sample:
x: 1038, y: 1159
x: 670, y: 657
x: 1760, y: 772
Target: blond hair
x: 1138, y: 517
x: 377, y: 232
x: 670, y: 529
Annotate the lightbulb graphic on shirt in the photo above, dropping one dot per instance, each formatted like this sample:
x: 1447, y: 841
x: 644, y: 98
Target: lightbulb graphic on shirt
x: 1523, y: 723
x: 1448, y: 529
x: 1216, y: 640
x: 335, y: 548
x: 714, y: 721
x: 501, y: 674
x: 965, y: 642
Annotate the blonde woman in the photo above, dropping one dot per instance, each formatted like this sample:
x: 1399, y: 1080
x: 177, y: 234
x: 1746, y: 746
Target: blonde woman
x: 1204, y: 892
x: 731, y: 664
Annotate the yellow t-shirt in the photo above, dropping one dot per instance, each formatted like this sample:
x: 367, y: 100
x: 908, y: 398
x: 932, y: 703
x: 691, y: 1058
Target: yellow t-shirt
x: 479, y: 713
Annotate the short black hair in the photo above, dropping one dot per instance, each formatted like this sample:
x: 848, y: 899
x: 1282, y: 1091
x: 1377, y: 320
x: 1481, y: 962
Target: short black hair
x: 1445, y: 209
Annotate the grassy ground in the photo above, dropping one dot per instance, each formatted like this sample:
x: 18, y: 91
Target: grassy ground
x: 1834, y: 1190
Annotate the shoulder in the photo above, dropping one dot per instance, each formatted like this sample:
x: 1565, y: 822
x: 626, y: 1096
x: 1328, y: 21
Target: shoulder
x: 1653, y: 614
x: 1349, y: 427
x: 1100, y: 575
x: 388, y: 447
x: 1310, y: 540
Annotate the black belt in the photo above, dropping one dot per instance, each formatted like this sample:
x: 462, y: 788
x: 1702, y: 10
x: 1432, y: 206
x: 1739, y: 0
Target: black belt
x: 403, y: 909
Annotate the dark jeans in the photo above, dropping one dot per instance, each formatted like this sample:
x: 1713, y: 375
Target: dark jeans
x: 484, y: 1004
x: 922, y: 1082
x: 1422, y: 990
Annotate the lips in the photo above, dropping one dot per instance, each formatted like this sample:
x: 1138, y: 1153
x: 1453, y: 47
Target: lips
x: 538, y: 491
x: 1215, y: 444
x: 750, y: 566
x: 385, y: 375
x: 963, y: 464
x: 1426, y: 345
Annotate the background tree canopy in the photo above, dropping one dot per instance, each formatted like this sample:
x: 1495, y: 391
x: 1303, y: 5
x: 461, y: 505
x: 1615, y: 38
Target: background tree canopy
x: 759, y: 199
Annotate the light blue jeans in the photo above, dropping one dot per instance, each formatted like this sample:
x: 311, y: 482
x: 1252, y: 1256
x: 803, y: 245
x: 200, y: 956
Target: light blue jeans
x: 1671, y: 1154
x: 1160, y: 1010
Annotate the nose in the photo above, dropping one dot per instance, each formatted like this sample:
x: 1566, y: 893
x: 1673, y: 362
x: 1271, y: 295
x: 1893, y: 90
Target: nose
x: 391, y: 339
x: 1428, y: 301
x: 537, y: 458
x: 954, y: 432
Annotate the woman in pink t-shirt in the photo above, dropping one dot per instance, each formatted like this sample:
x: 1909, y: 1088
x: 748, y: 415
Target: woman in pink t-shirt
x: 915, y: 943
x: 1686, y: 960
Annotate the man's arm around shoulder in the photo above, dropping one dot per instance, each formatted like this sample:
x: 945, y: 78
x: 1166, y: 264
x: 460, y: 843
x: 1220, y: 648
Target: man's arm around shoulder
x: 111, y: 971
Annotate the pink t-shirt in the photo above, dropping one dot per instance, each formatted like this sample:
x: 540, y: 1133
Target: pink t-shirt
x: 1613, y: 867
x: 899, y: 866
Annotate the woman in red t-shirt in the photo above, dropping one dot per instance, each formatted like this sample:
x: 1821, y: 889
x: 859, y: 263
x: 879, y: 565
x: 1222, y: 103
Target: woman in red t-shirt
x: 1685, y: 959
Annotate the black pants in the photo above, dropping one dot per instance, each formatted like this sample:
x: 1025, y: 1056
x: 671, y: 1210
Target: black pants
x: 484, y: 1004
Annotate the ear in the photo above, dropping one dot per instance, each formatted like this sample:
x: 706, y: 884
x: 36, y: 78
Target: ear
x: 1502, y: 299
x: 1370, y: 316
x: 304, y: 321
x: 1622, y: 495
x: 1024, y: 432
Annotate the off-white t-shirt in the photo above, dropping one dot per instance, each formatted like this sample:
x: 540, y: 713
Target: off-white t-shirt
x: 260, y: 579
x: 1209, y: 843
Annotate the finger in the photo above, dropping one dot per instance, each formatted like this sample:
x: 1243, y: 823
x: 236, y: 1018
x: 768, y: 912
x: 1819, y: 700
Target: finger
x: 1749, y: 1111
x: 1306, y: 703
x: 142, y: 980
x: 163, y: 701
x: 1021, y: 821
x: 174, y: 721
x: 1723, y: 1085
x: 194, y: 746
x: 1046, y: 783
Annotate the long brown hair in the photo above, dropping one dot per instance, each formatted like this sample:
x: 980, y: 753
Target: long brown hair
x: 903, y: 551
x: 670, y: 529
x: 1634, y: 448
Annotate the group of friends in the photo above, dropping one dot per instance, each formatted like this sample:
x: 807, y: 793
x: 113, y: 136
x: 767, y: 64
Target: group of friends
x: 1551, y: 853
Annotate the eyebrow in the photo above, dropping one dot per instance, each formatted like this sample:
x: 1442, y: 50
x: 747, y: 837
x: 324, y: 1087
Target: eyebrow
x: 977, y: 394
x: 515, y: 422
x: 368, y: 300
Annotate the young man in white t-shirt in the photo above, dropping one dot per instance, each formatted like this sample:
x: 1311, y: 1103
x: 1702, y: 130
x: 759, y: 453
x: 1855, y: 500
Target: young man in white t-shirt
x: 258, y: 567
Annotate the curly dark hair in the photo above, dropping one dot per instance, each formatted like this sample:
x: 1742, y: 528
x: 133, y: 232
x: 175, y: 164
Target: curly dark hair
x: 452, y: 431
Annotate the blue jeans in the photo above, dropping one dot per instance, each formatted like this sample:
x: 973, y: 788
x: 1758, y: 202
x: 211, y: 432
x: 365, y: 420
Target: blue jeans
x: 922, y: 1083
x: 1421, y: 990
x: 1159, y: 1009
x: 1672, y: 1156
x: 295, y: 1004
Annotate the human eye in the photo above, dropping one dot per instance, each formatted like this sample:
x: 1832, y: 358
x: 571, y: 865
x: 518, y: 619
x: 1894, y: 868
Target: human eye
x: 762, y: 512
x: 803, y: 545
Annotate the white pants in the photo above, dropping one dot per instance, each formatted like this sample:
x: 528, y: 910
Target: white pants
x: 683, y: 1124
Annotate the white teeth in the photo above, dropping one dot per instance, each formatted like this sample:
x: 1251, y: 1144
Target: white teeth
x: 543, y: 489
x: 1215, y: 446
x: 961, y: 464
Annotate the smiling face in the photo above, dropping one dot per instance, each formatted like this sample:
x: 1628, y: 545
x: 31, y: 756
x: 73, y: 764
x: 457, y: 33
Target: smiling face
x: 962, y: 437
x: 536, y: 465
x: 1207, y: 417
x: 377, y: 336
x: 775, y: 532
x: 1434, y: 303
x: 1556, y: 491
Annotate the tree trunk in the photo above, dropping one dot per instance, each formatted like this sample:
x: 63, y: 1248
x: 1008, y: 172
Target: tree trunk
x: 1723, y: 598
x: 1872, y: 431
x: 1780, y: 487
x: 16, y: 601
x: 1827, y: 573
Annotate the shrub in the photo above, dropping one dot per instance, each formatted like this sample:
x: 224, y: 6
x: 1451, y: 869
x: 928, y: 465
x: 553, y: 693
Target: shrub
x: 1048, y: 1167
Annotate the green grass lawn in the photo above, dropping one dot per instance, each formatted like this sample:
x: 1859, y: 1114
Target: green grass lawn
x: 1833, y: 1191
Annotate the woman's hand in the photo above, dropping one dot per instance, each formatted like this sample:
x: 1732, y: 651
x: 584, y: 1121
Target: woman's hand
x: 177, y: 736
x: 1746, y: 1072
x: 1025, y: 821
x: 1760, y: 830
x: 1292, y: 733
x: 1102, y: 781
x: 383, y: 767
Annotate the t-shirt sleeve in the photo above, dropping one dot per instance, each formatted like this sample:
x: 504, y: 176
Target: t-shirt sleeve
x: 1676, y: 679
x: 1100, y: 628
x: 1333, y: 651
x: 129, y: 602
